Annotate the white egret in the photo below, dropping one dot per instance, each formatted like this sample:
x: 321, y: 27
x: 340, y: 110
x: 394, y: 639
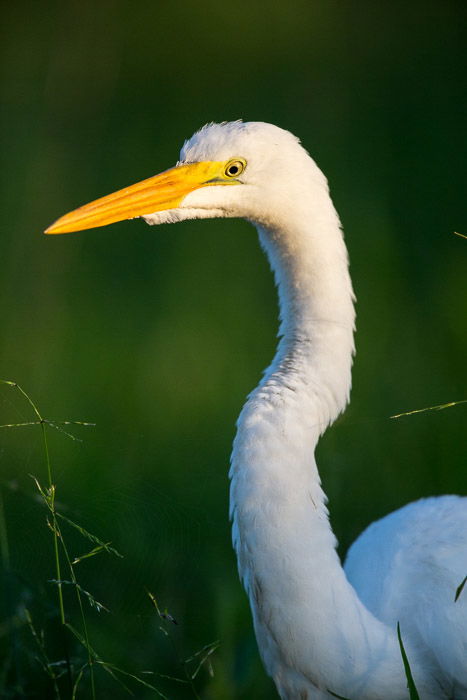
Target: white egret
x: 321, y: 630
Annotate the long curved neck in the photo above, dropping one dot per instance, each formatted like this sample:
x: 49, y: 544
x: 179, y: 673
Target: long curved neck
x: 310, y: 625
x: 310, y: 264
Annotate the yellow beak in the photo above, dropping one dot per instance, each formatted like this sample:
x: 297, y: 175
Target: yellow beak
x: 158, y: 193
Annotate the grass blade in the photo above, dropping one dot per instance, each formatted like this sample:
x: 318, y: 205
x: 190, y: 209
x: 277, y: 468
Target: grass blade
x: 438, y: 407
x: 137, y: 679
x: 413, y: 693
x: 202, y: 656
x: 92, y: 538
x: 92, y: 553
x: 460, y: 588
x: 90, y: 598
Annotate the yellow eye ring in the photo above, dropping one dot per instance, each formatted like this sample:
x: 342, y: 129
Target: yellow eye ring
x: 235, y: 167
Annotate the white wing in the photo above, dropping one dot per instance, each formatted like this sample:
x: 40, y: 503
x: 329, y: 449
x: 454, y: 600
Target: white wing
x: 406, y: 568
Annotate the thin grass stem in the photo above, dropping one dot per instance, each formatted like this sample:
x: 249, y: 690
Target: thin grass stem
x: 87, y: 644
x: 56, y: 530
x: 4, y: 546
x: 438, y: 407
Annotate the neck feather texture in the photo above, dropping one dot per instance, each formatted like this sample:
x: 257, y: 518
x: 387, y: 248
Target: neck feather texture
x: 312, y: 630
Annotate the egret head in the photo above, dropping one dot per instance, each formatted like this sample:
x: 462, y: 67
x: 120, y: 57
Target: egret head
x: 233, y: 169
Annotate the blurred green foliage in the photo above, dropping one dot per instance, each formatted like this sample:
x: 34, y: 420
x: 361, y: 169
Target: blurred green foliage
x: 157, y: 335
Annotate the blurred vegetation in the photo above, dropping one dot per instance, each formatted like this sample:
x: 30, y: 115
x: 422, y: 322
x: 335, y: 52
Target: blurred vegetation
x: 157, y: 335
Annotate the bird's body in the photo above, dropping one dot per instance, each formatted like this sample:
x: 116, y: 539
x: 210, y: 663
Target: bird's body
x: 320, y: 630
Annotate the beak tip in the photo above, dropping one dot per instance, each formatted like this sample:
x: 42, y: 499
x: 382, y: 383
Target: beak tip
x: 55, y: 228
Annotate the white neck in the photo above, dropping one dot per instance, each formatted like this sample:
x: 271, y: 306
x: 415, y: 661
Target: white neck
x: 311, y: 627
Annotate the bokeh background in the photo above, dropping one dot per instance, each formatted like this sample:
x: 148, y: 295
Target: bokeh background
x: 158, y: 334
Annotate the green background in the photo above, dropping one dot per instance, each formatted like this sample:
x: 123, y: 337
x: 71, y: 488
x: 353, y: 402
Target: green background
x: 158, y: 334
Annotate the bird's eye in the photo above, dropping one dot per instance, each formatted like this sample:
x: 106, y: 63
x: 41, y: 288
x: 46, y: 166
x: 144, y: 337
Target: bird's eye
x: 234, y: 168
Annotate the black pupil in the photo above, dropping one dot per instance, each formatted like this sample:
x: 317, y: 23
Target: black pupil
x: 233, y: 169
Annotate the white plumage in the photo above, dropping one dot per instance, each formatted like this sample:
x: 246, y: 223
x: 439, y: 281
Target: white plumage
x: 320, y: 630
